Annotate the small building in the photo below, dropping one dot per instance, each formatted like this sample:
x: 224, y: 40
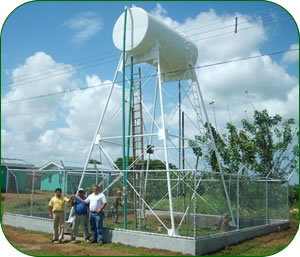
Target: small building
x: 67, y: 177
x: 18, y: 175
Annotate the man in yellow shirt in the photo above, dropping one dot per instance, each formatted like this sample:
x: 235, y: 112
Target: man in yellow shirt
x: 56, y: 211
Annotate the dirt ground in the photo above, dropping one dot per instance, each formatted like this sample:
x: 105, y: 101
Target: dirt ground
x: 38, y: 242
x: 12, y: 197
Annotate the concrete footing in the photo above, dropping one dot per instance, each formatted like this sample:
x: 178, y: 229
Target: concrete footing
x: 185, y: 245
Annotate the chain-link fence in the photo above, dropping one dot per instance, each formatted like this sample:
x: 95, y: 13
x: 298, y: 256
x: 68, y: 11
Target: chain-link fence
x: 202, y: 203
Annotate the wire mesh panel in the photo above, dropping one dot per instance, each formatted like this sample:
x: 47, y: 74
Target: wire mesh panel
x: 199, y: 202
x: 13, y: 199
x: 253, y: 196
x: 277, y: 201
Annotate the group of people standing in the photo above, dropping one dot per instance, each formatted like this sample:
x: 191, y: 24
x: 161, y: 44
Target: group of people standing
x: 87, y: 209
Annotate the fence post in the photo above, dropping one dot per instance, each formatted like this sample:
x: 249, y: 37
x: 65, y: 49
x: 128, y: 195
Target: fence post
x: 287, y: 200
x: 32, y: 192
x: 7, y: 183
x: 195, y: 203
x: 238, y: 202
x: 17, y: 190
x: 267, y: 203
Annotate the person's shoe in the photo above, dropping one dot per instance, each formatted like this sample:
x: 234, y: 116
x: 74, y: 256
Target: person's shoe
x: 92, y: 242
x: 73, y: 238
x: 53, y: 240
x: 101, y: 243
x: 87, y: 240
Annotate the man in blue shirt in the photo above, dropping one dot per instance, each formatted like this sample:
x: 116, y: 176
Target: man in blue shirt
x: 81, y: 216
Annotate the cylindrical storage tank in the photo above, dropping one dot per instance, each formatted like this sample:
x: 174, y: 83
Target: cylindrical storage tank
x: 143, y: 30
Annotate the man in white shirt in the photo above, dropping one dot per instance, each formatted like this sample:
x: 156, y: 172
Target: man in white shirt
x: 97, y: 201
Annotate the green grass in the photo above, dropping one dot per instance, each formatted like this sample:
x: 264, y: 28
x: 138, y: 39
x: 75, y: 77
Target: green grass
x: 37, y: 252
x: 249, y: 249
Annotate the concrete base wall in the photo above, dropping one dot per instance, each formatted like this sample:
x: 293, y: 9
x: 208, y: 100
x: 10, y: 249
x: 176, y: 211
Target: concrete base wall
x: 219, y: 241
x: 183, y: 245
x: 27, y: 222
x: 149, y: 240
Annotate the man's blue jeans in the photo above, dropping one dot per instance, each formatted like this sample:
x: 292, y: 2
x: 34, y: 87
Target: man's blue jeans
x: 96, y: 222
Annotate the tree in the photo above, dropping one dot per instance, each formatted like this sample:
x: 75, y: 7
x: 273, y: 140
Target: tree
x: 92, y: 161
x: 265, y: 145
x: 153, y: 164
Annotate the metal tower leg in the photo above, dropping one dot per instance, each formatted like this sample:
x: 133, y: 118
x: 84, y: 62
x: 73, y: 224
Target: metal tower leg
x: 172, y: 231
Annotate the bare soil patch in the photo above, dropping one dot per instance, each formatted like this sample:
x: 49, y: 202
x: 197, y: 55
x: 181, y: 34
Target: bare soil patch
x: 38, y: 242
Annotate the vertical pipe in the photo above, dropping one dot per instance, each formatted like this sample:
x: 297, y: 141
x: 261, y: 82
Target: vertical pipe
x: 179, y: 143
x: 195, y: 202
x: 179, y: 127
x: 182, y: 132
x: 183, y: 158
x: 123, y: 122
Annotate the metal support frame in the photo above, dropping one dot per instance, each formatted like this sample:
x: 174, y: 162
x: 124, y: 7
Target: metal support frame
x: 97, y: 130
x: 214, y: 147
x: 163, y: 135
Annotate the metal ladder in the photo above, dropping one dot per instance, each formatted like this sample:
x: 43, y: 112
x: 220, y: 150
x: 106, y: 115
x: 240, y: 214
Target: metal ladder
x: 197, y: 106
x: 138, y: 150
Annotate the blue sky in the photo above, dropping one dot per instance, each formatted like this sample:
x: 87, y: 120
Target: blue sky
x: 60, y: 35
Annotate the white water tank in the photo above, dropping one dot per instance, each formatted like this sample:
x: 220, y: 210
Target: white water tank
x: 143, y: 30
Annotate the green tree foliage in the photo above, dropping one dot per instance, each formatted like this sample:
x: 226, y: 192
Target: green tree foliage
x: 263, y: 145
x: 294, y: 195
x: 153, y: 164
x: 92, y: 161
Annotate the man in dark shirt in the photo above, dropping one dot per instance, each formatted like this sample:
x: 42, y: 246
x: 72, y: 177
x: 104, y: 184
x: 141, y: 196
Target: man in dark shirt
x: 114, y: 208
x: 81, y: 216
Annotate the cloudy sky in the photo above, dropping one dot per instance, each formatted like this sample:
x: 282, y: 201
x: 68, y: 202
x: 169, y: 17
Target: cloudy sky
x: 50, y: 47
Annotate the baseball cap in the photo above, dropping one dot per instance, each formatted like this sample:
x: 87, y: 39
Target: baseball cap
x: 81, y: 189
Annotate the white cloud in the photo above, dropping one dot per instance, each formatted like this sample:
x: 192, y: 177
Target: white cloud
x: 291, y: 57
x: 34, y: 129
x: 161, y: 13
x: 29, y: 118
x: 262, y: 77
x: 85, y: 25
